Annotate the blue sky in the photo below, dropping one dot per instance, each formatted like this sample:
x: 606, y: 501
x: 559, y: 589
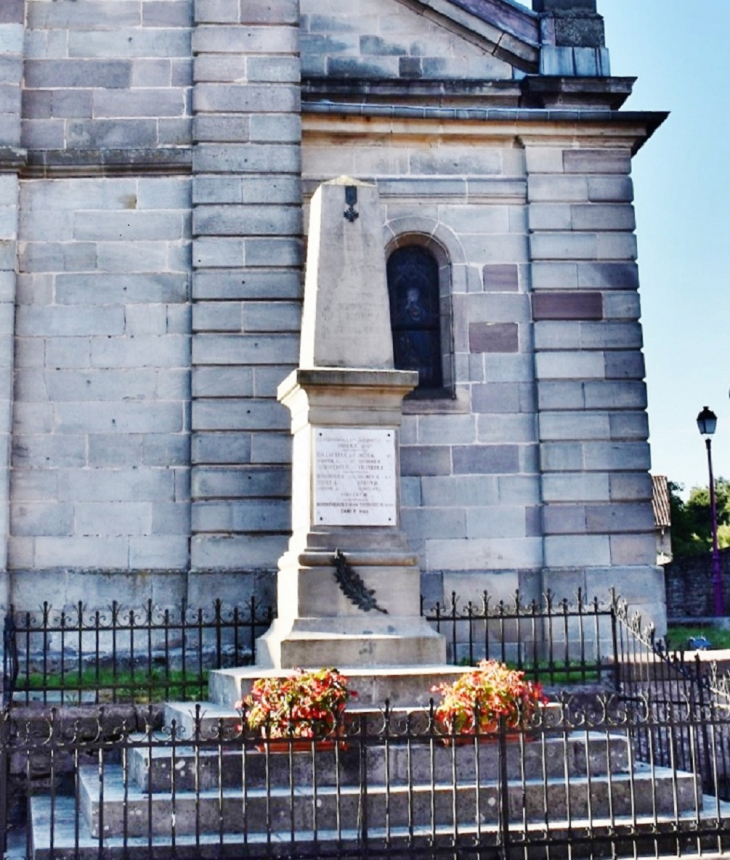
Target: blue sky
x: 678, y: 51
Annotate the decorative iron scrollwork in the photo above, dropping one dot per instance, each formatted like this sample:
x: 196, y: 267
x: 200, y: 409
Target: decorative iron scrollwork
x: 353, y: 587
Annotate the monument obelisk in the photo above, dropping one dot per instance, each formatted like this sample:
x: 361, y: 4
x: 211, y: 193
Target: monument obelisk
x: 348, y: 586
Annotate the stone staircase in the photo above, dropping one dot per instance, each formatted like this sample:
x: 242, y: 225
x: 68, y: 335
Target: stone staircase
x: 229, y: 799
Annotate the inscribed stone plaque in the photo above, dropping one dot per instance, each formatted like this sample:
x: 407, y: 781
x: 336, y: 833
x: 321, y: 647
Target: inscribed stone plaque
x: 354, y: 477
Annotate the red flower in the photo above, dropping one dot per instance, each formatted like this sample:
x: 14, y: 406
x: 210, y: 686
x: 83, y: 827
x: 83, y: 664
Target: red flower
x: 305, y: 704
x: 478, y: 700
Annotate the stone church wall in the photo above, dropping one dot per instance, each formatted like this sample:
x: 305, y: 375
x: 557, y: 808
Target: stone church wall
x: 101, y: 463
x: 157, y: 226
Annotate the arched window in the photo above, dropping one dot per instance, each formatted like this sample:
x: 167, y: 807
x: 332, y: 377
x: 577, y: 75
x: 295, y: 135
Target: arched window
x: 413, y: 286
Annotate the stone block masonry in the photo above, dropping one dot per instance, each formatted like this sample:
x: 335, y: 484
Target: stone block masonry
x: 101, y: 450
x: 101, y: 443
x: 588, y: 367
x: 470, y: 475
x: 156, y: 161
x: 107, y: 75
x: 11, y: 160
x: 246, y: 277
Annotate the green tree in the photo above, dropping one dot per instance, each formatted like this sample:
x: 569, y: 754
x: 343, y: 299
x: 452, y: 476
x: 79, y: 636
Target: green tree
x: 691, y: 520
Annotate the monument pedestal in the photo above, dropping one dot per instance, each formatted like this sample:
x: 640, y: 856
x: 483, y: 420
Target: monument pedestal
x: 404, y: 686
x: 363, y: 610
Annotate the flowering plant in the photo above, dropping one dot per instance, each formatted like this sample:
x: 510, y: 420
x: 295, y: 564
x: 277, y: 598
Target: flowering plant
x: 302, y: 705
x: 477, y: 700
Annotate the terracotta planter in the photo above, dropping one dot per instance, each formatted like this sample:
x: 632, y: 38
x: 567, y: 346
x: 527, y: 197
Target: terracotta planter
x: 283, y: 745
x: 487, y: 738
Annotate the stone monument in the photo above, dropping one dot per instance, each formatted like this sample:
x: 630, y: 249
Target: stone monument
x: 348, y: 586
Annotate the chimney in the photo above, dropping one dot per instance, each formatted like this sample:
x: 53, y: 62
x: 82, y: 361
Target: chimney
x: 563, y: 5
x: 571, y: 23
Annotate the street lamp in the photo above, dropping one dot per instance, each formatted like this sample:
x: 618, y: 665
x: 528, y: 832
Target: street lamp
x: 707, y: 422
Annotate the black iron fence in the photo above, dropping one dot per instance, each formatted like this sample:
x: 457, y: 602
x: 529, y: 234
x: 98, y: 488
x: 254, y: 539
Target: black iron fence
x: 554, y: 641
x: 677, y: 687
x: 578, y: 781
x: 154, y: 653
x: 642, y: 770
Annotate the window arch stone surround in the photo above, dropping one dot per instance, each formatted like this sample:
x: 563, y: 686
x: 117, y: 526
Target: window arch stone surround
x: 448, y: 252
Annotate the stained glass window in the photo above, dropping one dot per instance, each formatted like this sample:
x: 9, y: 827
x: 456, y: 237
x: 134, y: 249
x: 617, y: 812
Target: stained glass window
x: 413, y: 286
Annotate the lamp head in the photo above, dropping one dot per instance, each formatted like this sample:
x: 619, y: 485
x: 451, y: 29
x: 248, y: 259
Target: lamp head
x: 707, y: 422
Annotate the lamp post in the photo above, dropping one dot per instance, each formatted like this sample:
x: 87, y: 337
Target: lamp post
x: 707, y: 422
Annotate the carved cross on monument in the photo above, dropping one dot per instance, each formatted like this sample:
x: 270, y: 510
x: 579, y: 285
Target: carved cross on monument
x: 348, y: 586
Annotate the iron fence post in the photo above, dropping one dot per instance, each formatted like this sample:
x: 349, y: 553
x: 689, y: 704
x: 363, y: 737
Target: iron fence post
x: 707, y: 754
x: 4, y: 777
x: 614, y: 643
x: 503, y: 791
x: 363, y: 835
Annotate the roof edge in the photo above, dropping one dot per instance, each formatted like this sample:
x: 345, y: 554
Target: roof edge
x: 511, y: 31
x: 649, y: 120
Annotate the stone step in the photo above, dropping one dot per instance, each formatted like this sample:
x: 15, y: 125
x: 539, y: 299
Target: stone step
x: 210, y: 719
x: 293, y: 808
x: 72, y: 839
x: 404, y: 686
x: 214, y: 765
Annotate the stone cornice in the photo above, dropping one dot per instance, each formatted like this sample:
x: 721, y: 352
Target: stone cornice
x: 108, y: 162
x: 12, y: 159
x: 544, y: 127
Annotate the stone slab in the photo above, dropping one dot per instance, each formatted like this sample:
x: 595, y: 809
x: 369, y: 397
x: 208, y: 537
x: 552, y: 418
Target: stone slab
x: 401, y: 685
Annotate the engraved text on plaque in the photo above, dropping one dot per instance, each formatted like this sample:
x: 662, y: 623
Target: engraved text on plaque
x: 354, y: 477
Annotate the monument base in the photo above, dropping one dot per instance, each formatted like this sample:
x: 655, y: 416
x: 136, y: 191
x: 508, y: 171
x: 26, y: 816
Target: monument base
x: 322, y: 620
x: 403, y: 686
x: 375, y: 642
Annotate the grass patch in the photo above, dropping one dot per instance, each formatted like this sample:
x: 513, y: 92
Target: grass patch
x: 677, y: 636
x: 139, y: 687
x: 573, y: 672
